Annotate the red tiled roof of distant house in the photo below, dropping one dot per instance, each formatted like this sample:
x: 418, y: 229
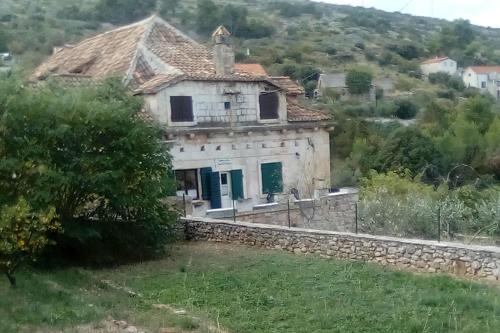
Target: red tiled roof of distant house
x: 252, y: 69
x: 435, y: 60
x: 485, y: 69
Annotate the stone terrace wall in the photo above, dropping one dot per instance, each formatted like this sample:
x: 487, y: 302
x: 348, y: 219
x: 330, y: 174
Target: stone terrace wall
x: 415, y: 255
x: 335, y: 212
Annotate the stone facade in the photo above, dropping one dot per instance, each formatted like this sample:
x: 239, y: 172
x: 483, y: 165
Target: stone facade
x: 415, y: 255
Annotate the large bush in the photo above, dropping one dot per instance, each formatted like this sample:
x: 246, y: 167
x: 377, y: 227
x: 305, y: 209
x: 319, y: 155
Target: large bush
x: 405, y: 109
x: 358, y: 81
x: 87, y: 153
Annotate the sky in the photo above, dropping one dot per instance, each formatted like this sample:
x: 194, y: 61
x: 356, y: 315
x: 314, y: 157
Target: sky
x: 480, y: 12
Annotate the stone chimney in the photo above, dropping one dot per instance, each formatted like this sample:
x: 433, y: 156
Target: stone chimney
x: 223, y: 52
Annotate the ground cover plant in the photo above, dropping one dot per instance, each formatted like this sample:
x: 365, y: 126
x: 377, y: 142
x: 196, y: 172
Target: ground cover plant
x: 251, y: 290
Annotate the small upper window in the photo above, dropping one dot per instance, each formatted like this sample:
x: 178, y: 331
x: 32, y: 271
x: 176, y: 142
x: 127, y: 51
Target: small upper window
x: 227, y: 105
x: 483, y: 84
x: 181, y: 109
x: 269, y: 105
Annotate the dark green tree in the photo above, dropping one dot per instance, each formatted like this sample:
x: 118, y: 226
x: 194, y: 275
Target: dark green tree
x: 169, y: 7
x: 86, y: 152
x: 123, y: 11
x: 406, y: 148
x: 464, y: 33
x: 405, y: 109
x: 207, y: 17
x: 4, y: 40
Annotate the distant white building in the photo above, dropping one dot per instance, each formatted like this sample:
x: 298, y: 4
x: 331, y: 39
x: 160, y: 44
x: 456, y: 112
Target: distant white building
x: 485, y: 78
x: 439, y: 65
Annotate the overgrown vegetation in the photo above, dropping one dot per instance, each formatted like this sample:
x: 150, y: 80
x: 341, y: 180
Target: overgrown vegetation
x: 400, y: 205
x: 86, y: 153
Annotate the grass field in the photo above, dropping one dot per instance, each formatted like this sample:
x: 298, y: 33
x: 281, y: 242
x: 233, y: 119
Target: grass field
x: 247, y: 290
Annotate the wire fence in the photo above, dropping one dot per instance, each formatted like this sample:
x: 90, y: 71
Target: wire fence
x: 446, y: 220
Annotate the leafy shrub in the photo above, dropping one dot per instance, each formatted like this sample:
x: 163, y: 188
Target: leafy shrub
x: 331, y: 50
x: 370, y: 55
x: 85, y: 152
x: 448, y: 94
x: 359, y: 45
x: 359, y: 110
x: 23, y: 235
x: 386, y: 109
x: 405, y: 109
x: 358, y: 82
x: 447, y: 80
x: 330, y: 95
x: 407, y: 50
x: 405, y: 83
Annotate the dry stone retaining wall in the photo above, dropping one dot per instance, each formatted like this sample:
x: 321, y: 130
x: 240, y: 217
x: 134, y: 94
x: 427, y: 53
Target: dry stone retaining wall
x: 415, y: 255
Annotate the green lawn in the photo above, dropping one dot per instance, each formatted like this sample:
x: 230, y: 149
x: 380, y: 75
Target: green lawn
x: 250, y: 290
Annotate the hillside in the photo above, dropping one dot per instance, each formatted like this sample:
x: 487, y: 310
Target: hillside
x: 297, y: 37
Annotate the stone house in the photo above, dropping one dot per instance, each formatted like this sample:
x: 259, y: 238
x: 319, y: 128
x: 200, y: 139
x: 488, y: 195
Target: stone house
x: 485, y: 78
x: 237, y: 135
x: 439, y: 65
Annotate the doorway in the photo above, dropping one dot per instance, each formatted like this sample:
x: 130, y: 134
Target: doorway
x: 225, y: 189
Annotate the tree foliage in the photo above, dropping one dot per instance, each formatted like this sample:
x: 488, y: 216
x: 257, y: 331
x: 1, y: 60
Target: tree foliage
x: 237, y: 19
x: 85, y: 152
x: 359, y: 81
x: 24, y: 234
x: 123, y: 11
x: 407, y: 148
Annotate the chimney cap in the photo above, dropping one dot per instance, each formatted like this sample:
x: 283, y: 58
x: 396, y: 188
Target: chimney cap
x: 221, y: 31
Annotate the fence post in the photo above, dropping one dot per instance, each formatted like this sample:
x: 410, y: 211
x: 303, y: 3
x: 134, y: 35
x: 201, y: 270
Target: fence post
x: 184, y: 204
x: 288, y: 211
x: 356, y: 217
x: 234, y: 212
x: 439, y: 224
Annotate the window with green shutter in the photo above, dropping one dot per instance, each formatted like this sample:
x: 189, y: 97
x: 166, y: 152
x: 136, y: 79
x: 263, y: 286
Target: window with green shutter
x: 272, y: 177
x: 237, y: 184
x: 215, y: 197
x: 205, y: 182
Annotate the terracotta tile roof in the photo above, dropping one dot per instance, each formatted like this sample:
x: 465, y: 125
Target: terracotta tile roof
x: 151, y: 55
x: 250, y: 69
x: 298, y: 113
x: 179, y: 51
x: 485, y: 69
x: 106, y: 54
x: 434, y: 60
x: 162, y: 81
x: 291, y: 87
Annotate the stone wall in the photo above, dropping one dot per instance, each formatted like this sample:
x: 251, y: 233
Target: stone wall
x: 334, y: 212
x: 416, y: 255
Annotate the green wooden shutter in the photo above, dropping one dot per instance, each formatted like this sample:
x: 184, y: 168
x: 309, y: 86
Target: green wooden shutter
x: 205, y: 182
x: 272, y: 177
x: 237, y: 184
x: 215, y: 197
